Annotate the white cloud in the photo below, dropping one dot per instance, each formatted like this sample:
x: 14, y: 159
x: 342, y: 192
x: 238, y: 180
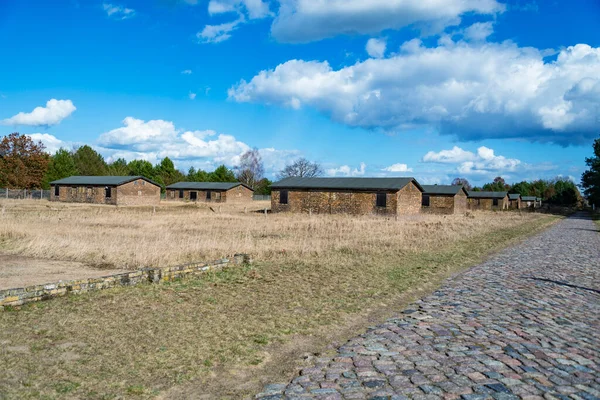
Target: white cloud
x: 397, y: 168
x: 118, y: 12
x: 54, y: 112
x: 218, y: 33
x: 155, y: 139
x: 376, y: 47
x: 137, y: 131
x: 192, y: 96
x: 308, y: 20
x: 51, y: 142
x: 346, y: 170
x: 472, y: 90
x: 186, y: 72
x: 485, y: 162
x: 455, y: 155
x: 479, y: 31
x: 254, y: 9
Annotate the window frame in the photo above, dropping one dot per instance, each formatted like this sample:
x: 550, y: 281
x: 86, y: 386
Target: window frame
x: 381, y: 200
x: 495, y: 202
x: 426, y: 201
x: 284, y: 197
x: 56, y: 190
x: 193, y: 195
x: 107, y: 192
x: 208, y: 195
x: 181, y: 194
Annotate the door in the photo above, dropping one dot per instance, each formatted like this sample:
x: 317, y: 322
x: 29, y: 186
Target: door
x: 193, y: 196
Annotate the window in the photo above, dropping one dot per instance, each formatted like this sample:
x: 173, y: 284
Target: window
x: 217, y: 195
x: 495, y: 202
x: 283, y: 197
x: 193, y: 196
x: 89, y: 192
x: 425, y: 200
x: 143, y: 183
x: 74, y: 191
x: 107, y: 192
x: 57, y: 190
x: 181, y: 194
x: 381, y: 200
x: 208, y: 195
x: 135, y: 183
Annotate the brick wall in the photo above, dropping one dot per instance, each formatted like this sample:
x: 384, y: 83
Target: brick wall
x: 240, y: 194
x: 138, y: 193
x: 461, y: 203
x: 440, y: 204
x: 83, y: 194
x: 409, y: 200
x: 406, y: 201
x: 29, y: 294
x: 488, y: 204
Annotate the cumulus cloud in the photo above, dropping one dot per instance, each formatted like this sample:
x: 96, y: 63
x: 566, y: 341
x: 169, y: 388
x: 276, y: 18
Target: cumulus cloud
x: 155, y: 139
x: 192, y: 96
x: 51, y: 142
x: 376, y: 47
x: 54, y: 112
x: 473, y: 90
x: 186, y: 72
x: 308, y: 20
x: 346, y: 170
x: 118, y: 12
x: 397, y: 168
x: 484, y: 162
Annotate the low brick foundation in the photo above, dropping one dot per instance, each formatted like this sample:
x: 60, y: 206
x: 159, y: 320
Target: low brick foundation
x: 29, y: 294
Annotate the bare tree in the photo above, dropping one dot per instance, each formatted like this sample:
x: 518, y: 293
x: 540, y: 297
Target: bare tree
x: 301, y: 168
x: 251, y: 170
x: 463, y: 182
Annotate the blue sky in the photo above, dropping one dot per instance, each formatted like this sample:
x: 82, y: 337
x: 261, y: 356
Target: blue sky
x: 476, y: 88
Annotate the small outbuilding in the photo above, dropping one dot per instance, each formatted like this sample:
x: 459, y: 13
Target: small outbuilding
x: 211, y: 192
x: 115, y: 190
x: 514, y: 201
x: 386, y: 196
x: 488, y: 200
x: 444, y: 199
x: 530, y: 202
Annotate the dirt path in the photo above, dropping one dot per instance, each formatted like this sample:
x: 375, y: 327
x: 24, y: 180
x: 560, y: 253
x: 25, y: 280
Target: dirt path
x: 524, y: 324
x: 17, y: 271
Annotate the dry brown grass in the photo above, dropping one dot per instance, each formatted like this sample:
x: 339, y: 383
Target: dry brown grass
x: 135, y: 237
x: 316, y: 280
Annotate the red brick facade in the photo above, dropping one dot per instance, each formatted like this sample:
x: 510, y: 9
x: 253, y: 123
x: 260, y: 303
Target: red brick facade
x: 447, y: 203
x: 488, y: 204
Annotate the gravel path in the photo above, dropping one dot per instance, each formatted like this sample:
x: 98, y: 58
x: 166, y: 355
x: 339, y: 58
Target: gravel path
x: 524, y: 324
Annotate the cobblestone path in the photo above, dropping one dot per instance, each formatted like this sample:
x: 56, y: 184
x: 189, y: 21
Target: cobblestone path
x: 524, y: 324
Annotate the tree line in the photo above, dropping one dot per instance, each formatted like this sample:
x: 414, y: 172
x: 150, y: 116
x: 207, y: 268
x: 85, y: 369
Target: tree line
x: 24, y: 164
x: 557, y: 191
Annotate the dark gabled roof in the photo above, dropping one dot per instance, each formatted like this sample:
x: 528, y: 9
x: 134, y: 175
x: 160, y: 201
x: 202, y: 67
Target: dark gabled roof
x: 443, y: 189
x: 486, y: 195
x: 100, y: 180
x: 345, y: 183
x: 206, y: 185
x: 514, y: 196
x: 529, y: 198
x: 539, y: 199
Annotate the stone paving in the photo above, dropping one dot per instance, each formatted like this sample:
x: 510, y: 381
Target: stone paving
x: 525, y: 324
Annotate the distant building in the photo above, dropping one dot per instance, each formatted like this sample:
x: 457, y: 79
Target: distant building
x: 211, y: 192
x: 488, y: 200
x: 444, y: 199
x: 115, y: 190
x: 530, y: 201
x: 385, y: 196
x: 514, y: 201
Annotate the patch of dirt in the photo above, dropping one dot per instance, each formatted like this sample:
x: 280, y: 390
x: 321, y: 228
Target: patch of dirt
x: 18, y: 271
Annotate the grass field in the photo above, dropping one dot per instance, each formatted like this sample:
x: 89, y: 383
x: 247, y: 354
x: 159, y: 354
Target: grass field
x: 316, y: 280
